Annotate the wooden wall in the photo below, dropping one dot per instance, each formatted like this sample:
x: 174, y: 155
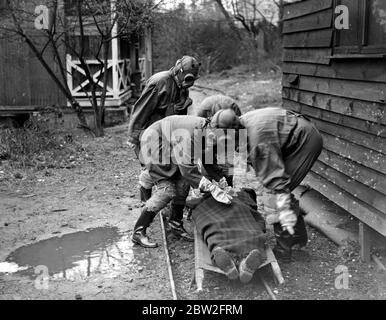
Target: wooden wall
x: 23, y: 81
x: 345, y: 98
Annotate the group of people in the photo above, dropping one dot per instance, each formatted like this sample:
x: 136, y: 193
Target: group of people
x: 178, y: 151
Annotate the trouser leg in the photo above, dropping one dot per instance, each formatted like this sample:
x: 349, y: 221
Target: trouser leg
x: 163, y: 194
x: 302, y: 152
x: 146, y: 183
x: 178, y: 203
x: 177, y: 210
x: 299, y: 158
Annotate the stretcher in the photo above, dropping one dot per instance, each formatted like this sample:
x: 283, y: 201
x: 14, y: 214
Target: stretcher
x: 203, y: 262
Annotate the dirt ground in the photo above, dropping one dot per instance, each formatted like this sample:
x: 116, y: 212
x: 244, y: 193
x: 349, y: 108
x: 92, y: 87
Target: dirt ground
x: 82, y: 212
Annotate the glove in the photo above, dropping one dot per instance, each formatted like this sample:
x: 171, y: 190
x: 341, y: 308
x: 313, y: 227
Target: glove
x: 217, y: 193
x: 287, y: 216
x: 288, y: 221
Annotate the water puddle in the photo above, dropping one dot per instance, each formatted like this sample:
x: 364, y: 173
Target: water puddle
x: 76, y: 256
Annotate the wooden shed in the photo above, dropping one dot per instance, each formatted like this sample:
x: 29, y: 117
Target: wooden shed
x: 26, y: 86
x: 337, y: 77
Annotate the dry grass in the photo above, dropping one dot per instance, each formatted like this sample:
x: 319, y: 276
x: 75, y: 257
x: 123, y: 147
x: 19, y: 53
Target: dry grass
x: 35, y: 144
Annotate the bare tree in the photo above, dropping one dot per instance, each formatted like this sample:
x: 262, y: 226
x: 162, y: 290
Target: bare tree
x: 228, y: 17
x: 258, y: 19
x: 109, y: 19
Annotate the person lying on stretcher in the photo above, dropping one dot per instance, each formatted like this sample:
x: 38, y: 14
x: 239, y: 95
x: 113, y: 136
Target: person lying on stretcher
x: 234, y: 233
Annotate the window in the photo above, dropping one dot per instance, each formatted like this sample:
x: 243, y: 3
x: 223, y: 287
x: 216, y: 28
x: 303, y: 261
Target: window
x: 367, y: 28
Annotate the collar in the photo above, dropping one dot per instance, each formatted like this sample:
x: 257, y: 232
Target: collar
x: 175, y: 78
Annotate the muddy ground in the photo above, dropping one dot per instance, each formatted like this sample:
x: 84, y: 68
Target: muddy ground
x: 75, y: 218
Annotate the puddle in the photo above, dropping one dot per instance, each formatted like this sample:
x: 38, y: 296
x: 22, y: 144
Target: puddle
x: 76, y: 256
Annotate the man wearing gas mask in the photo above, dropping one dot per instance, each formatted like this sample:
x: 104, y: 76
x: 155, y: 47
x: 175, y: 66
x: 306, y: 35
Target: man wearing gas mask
x: 166, y: 93
x: 208, y: 108
x: 178, y: 150
x: 283, y: 146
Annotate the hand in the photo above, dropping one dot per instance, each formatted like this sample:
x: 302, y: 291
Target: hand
x: 288, y: 219
x: 287, y: 216
x: 283, y: 201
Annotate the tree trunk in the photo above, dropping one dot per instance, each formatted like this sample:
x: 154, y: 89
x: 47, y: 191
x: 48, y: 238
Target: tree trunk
x: 98, y: 122
x: 79, y: 112
x: 228, y: 18
x: 97, y: 112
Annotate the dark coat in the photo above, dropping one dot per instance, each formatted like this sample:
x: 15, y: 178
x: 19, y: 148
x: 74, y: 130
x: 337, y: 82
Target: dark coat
x: 170, y: 148
x: 282, y: 145
x: 160, y: 98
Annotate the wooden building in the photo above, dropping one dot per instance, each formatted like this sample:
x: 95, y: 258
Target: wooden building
x: 337, y: 77
x: 26, y: 86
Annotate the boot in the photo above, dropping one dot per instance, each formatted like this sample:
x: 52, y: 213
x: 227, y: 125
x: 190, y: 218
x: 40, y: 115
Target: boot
x: 143, y: 222
x: 225, y: 262
x: 229, y: 180
x: 300, y: 236
x: 284, y: 243
x: 140, y: 237
x: 144, y: 193
x: 249, y: 265
x: 178, y: 229
x: 175, y: 222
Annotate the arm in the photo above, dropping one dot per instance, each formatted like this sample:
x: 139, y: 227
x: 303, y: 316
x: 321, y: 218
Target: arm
x: 270, y: 168
x: 195, y: 172
x: 184, y: 152
x: 266, y: 159
x: 181, y: 106
x: 142, y: 111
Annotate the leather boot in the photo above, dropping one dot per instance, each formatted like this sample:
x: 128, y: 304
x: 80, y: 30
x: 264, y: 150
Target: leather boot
x: 229, y: 180
x: 140, y: 237
x: 175, y: 222
x: 177, y: 212
x: 144, y: 193
x: 300, y: 236
x: 284, y: 243
x: 143, y: 222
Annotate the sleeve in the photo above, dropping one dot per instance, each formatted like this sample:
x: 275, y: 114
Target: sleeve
x: 184, y: 154
x: 269, y: 166
x: 181, y: 106
x: 202, y: 110
x: 143, y: 110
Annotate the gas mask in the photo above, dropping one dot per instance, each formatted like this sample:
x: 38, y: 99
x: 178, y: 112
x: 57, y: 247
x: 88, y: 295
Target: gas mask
x: 186, y: 71
x: 188, y: 81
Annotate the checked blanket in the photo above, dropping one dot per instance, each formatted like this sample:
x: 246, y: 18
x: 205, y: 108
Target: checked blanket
x: 237, y: 228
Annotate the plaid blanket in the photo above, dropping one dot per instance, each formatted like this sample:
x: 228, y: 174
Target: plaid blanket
x: 237, y: 228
